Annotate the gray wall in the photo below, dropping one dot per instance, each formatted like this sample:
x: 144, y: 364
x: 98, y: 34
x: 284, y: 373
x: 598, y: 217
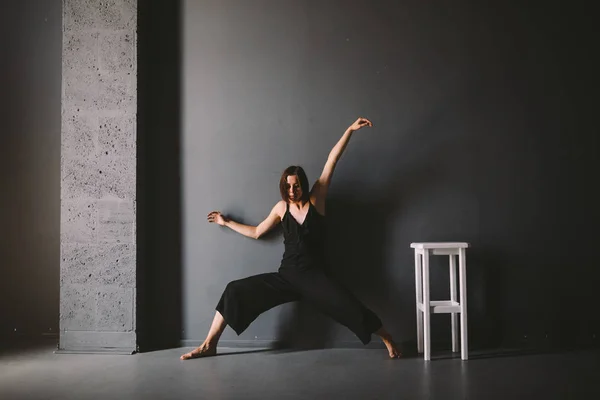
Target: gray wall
x: 30, y: 70
x: 482, y: 133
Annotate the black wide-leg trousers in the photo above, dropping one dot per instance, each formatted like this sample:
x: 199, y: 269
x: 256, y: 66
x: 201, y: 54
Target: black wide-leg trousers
x: 245, y: 299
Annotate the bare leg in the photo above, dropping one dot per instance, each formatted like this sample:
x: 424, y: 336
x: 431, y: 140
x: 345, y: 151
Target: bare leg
x: 209, y: 347
x: 389, y: 343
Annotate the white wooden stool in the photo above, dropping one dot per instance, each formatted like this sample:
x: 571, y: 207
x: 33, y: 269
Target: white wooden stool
x: 453, y: 306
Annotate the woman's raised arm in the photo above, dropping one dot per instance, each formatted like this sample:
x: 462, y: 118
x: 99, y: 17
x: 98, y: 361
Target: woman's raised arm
x: 319, y: 189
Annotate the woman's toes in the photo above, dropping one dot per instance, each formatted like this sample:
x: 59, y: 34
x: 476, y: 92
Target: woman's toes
x: 199, y: 352
x: 395, y: 354
x: 190, y: 355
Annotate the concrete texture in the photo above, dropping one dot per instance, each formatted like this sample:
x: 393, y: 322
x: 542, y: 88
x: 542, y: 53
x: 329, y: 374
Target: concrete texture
x: 319, y: 374
x: 98, y: 176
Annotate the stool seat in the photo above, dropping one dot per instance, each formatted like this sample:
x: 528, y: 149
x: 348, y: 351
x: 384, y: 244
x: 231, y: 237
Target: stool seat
x: 455, y: 306
x: 440, y: 245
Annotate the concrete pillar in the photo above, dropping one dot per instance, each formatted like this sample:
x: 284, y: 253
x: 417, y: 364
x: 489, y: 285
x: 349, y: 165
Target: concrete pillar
x: 98, y: 176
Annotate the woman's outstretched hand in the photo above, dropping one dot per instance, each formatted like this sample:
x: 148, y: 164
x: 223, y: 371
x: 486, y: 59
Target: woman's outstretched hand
x: 359, y: 123
x: 216, y: 217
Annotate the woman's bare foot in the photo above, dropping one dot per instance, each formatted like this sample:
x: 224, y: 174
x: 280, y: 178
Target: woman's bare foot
x: 204, y: 350
x: 391, y: 346
x: 389, y: 343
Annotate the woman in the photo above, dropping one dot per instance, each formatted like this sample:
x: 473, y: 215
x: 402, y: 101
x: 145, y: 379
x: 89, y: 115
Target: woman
x: 301, y: 276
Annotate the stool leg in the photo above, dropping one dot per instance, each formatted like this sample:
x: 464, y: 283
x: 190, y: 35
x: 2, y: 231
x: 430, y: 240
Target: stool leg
x: 419, y: 299
x: 462, y: 271
x: 426, y: 307
x: 453, y: 297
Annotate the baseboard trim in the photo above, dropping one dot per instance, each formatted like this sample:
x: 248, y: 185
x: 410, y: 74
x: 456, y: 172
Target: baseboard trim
x: 28, y: 337
x: 247, y: 344
x: 94, y: 342
x: 115, y: 351
x: 275, y: 344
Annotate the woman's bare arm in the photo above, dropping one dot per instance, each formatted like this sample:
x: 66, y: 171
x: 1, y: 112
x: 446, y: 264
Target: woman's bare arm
x: 319, y: 189
x: 254, y: 232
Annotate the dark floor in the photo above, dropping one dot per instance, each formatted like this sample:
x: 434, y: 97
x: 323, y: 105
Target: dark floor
x: 39, y: 373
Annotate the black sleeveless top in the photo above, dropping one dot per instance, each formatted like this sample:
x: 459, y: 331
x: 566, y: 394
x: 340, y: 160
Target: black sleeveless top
x: 304, y: 243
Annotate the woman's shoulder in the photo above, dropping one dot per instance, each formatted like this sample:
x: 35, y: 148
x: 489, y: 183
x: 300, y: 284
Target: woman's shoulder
x: 280, y: 208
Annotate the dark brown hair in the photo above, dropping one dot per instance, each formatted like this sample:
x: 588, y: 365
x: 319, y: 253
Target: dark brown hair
x: 299, y: 172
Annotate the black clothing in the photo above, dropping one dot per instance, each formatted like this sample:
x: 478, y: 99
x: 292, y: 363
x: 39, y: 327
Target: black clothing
x: 301, y: 277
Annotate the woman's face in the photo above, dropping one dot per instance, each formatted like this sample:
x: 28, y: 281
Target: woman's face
x: 293, y: 188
